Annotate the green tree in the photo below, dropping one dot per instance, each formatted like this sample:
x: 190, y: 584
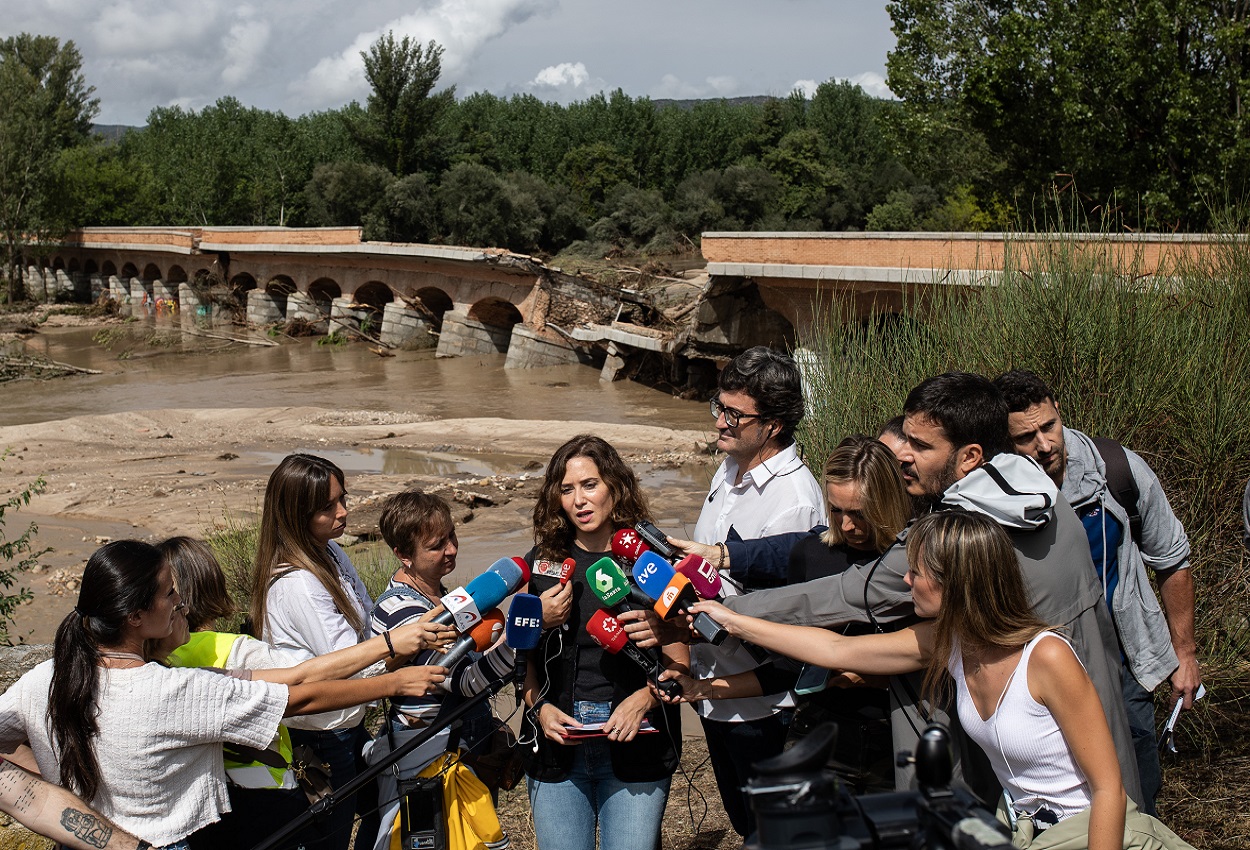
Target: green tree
x: 399, y: 128
x: 17, y: 556
x: 346, y: 193
x: 1144, y: 100
x: 593, y: 171
x: 45, y: 107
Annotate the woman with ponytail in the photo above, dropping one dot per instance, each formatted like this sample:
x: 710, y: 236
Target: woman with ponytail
x: 140, y: 742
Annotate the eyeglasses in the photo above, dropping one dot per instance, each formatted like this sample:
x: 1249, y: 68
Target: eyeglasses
x: 732, y: 417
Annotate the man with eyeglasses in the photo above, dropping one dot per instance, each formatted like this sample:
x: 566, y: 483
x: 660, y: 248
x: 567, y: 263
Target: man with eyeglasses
x: 762, y: 488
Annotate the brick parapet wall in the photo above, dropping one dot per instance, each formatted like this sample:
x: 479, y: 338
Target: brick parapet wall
x: 983, y: 251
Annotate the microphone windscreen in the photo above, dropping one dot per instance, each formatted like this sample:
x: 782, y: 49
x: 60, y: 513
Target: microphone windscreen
x: 525, y: 621
x: 702, y: 575
x: 481, y: 637
x: 627, y: 544
x: 607, y: 582
x: 488, y: 631
x: 652, y: 574
x: 567, y: 569
x: 523, y: 567
x: 606, y: 631
x: 488, y: 590
x: 676, y: 597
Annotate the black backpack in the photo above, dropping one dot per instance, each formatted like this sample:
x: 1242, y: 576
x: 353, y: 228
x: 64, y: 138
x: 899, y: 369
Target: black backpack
x: 1120, y: 482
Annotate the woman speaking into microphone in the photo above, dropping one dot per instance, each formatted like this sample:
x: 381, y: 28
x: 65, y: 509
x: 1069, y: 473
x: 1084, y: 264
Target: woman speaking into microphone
x: 615, y: 784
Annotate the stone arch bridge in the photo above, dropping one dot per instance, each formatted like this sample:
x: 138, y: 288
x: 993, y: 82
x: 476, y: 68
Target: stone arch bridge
x: 460, y: 300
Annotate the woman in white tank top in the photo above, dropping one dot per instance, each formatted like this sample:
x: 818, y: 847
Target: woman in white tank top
x: 1021, y: 692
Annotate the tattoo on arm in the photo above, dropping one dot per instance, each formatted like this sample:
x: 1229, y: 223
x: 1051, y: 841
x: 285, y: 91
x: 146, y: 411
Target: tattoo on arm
x: 86, y: 827
x: 17, y: 787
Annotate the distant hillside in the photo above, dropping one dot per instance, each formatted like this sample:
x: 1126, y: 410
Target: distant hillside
x: 755, y: 99
x: 112, y: 132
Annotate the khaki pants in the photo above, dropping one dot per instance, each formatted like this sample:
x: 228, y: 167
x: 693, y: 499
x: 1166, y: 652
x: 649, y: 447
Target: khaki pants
x: 1141, y: 832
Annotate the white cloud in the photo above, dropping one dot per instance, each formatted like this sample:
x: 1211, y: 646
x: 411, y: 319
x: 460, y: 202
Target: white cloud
x: 566, y: 74
x: 244, y: 48
x: 872, y: 84
x: 808, y: 87
x: 462, y: 28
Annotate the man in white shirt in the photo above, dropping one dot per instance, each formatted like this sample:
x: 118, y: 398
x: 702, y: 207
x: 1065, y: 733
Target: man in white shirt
x: 761, y: 488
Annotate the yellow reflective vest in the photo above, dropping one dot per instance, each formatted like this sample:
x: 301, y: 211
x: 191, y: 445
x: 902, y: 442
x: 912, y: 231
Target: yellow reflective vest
x: 212, y: 649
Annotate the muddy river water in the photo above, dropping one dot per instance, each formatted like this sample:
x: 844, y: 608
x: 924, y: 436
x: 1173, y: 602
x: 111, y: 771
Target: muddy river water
x: 178, y: 433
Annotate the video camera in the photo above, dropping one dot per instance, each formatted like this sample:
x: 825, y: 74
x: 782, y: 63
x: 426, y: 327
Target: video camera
x: 799, y: 804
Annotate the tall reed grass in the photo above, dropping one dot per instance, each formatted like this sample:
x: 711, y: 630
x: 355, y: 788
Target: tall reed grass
x: 235, y: 542
x: 1158, y: 358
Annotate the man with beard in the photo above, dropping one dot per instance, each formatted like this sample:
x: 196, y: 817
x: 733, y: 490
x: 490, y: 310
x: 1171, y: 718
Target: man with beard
x: 958, y: 455
x: 1155, y: 645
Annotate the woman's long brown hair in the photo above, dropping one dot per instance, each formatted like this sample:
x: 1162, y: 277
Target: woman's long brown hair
x: 297, y: 489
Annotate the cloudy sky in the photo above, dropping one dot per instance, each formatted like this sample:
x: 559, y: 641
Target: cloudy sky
x: 304, y: 55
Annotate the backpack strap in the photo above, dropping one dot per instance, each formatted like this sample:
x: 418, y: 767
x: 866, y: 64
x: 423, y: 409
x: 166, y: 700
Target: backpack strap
x: 1120, y: 482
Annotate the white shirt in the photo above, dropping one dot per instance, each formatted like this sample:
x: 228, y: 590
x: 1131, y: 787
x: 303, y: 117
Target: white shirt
x: 300, y: 615
x: 159, y: 744
x: 774, y: 497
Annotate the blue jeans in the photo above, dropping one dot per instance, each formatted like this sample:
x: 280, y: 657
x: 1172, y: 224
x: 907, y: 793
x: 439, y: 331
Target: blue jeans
x: 627, y: 814
x: 1139, y: 704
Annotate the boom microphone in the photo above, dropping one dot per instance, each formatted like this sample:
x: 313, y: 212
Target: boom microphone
x: 703, y: 576
x: 607, y: 581
x: 481, y: 637
x: 607, y: 631
x: 465, y: 604
x: 673, y: 595
x: 524, y: 629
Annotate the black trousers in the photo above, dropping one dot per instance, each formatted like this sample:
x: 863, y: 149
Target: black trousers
x: 733, y: 748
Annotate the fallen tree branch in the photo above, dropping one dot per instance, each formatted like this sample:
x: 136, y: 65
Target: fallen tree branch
x: 206, y: 334
x: 47, y: 364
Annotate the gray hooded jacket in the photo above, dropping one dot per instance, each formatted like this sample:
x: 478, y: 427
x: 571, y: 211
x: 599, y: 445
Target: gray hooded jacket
x: 1053, y: 550
x: 1138, y: 618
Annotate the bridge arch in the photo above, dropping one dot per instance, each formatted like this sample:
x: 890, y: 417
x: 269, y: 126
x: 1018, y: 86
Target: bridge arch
x: 90, y: 267
x: 74, y: 266
x: 323, y: 291
x: 58, y: 264
x: 109, y: 269
x: 129, y: 272
x: 177, y: 274
x: 242, y: 283
x: 374, y: 296
x: 151, y: 272
x: 496, y: 311
x: 437, y: 302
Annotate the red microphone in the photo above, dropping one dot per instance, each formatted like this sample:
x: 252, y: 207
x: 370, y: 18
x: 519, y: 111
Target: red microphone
x: 628, y: 545
x: 566, y: 570
x: 607, y: 631
x: 702, y: 575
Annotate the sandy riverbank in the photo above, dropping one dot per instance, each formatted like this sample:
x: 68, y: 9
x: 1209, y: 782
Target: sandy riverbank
x: 152, y: 474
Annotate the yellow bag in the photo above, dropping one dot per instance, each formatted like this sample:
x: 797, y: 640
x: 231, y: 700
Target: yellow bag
x: 468, y: 813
